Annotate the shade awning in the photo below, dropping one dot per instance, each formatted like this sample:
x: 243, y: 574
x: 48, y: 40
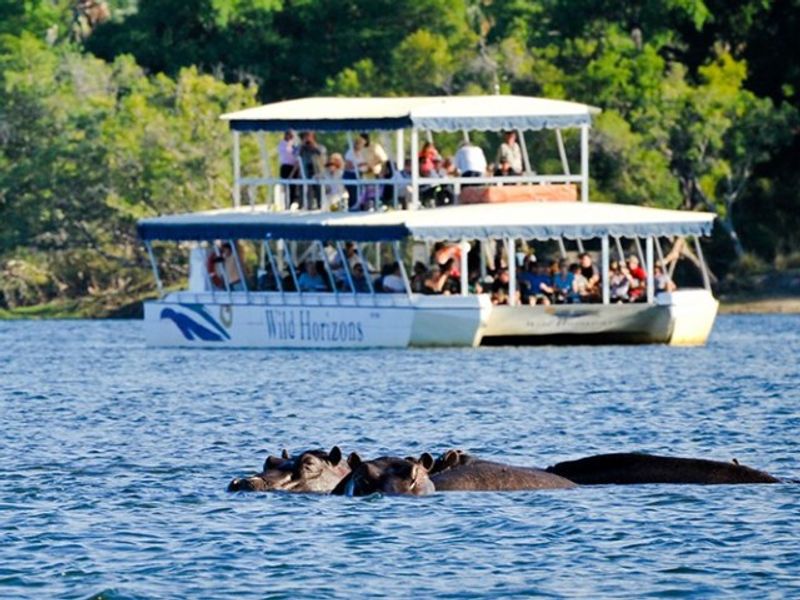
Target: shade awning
x: 436, y: 113
x: 526, y: 220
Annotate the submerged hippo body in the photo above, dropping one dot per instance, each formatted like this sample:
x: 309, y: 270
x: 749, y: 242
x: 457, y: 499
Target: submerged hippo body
x: 628, y: 468
x: 310, y: 471
x: 456, y: 470
x: 387, y: 475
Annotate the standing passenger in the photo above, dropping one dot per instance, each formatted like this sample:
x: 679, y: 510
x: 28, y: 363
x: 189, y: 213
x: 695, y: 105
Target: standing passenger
x: 510, y: 152
x: 287, y: 153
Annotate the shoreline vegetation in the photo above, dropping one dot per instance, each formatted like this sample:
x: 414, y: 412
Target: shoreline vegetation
x: 109, y: 113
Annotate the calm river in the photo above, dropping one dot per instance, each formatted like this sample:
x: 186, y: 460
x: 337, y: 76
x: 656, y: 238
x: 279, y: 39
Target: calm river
x: 114, y: 461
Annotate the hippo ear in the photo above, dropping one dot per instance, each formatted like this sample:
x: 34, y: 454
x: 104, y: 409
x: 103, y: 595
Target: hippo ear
x: 450, y: 458
x: 426, y: 460
x: 285, y: 454
x: 353, y: 460
x: 272, y: 462
x: 335, y: 456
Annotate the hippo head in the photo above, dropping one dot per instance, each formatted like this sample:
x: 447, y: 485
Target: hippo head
x: 387, y: 475
x: 451, y: 459
x: 309, y: 471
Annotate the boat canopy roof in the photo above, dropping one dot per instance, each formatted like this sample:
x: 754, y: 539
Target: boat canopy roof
x: 436, y: 113
x: 527, y: 220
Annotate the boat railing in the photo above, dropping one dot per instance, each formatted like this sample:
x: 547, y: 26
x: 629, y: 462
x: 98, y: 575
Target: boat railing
x: 397, y: 192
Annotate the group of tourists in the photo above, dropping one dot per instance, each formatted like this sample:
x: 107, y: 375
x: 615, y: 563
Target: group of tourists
x: 303, y: 157
x: 538, y: 282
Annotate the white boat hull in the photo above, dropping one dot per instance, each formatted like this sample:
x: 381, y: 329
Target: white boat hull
x: 275, y: 320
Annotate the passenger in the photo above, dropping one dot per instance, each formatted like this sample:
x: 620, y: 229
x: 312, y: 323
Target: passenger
x: 452, y: 284
x: 510, y: 153
x: 310, y: 280
x: 539, y: 282
x: 287, y: 153
x: 418, y: 278
x: 226, y: 269
x: 393, y: 282
x: 360, y: 283
x: 592, y: 276
x: 470, y: 160
x: 443, y: 252
x: 375, y: 156
x: 562, y: 282
x: 313, y: 157
x: 619, y: 282
x: 638, y: 279
x: 662, y: 282
x: 579, y: 291
x: 436, y: 280
x: 335, y: 192
x: 427, y: 157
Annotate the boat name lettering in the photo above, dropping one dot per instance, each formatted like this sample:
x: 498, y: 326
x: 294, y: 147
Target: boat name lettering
x: 291, y: 325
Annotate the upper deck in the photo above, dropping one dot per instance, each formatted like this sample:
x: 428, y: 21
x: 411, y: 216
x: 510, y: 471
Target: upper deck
x: 403, y: 182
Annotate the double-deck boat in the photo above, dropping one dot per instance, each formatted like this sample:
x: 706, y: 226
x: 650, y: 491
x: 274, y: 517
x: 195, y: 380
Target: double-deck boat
x: 486, y: 221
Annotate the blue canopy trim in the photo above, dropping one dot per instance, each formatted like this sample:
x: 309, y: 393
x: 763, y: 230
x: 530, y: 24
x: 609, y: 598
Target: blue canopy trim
x: 211, y: 230
x: 243, y: 125
x: 432, y: 123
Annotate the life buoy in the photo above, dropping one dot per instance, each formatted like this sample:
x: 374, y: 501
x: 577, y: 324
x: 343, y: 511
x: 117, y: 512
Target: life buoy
x: 211, y: 265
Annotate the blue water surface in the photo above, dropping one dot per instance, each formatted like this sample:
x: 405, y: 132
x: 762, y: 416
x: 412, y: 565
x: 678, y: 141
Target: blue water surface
x: 114, y: 459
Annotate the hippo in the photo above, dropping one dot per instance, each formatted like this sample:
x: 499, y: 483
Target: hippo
x: 632, y: 468
x: 387, y: 475
x: 455, y: 470
x: 310, y: 471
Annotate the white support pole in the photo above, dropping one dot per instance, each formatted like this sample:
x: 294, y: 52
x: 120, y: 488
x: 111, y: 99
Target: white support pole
x: 699, y: 250
x: 526, y: 161
x: 604, y: 252
x: 562, y: 249
x: 154, y: 266
x: 399, y: 258
x: 292, y: 272
x: 264, y: 156
x: 276, y: 273
x: 239, y: 268
x: 464, y: 266
x: 414, y: 169
x: 620, y: 253
x: 429, y: 136
x: 651, y: 282
x: 584, y: 163
x: 346, y: 267
x: 512, y: 272
x: 660, y: 255
x: 324, y: 256
x: 639, y: 252
x: 562, y: 152
x: 465, y: 135
x: 237, y: 171
x: 399, y: 163
x: 580, y: 246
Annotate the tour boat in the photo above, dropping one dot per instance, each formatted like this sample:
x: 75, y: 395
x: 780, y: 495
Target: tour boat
x: 489, y: 217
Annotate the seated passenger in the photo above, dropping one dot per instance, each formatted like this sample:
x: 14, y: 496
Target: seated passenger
x: 662, y: 282
x: 393, y: 282
x: 225, y: 273
x: 310, y: 280
x: 542, y: 290
x: 619, y: 282
x: 638, y: 278
x: 510, y: 153
x: 592, y: 277
x: 452, y: 284
x: 419, y: 277
x: 562, y: 282
x: 360, y: 283
x: 579, y: 291
x: 436, y: 280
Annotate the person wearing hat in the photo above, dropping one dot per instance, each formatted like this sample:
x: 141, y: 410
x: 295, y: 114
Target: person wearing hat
x: 335, y: 193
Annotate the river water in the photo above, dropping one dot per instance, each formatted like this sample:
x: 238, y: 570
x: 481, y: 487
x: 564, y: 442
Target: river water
x: 114, y: 460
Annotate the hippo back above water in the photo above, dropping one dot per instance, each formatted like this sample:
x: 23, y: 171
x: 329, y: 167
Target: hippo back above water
x: 631, y: 468
x: 455, y: 470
